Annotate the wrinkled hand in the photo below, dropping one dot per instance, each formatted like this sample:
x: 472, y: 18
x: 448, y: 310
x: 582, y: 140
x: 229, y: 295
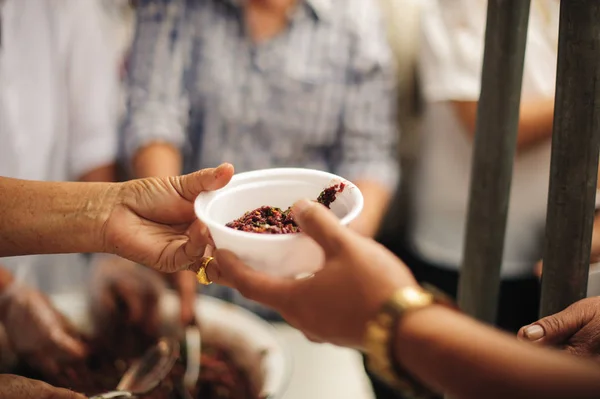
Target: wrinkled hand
x: 16, y: 387
x: 153, y: 222
x: 37, y: 332
x: 575, y: 329
x: 336, y: 303
x: 122, y: 291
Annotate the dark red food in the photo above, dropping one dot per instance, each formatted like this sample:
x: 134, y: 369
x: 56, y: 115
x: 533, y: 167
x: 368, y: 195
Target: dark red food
x: 329, y: 195
x: 220, y: 377
x: 273, y: 220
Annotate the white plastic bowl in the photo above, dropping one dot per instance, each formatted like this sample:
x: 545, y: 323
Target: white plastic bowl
x: 287, y: 255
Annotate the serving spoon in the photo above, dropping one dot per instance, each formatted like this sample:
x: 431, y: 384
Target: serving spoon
x: 147, y: 372
x: 191, y: 356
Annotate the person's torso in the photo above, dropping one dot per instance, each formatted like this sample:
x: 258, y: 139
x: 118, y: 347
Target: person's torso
x: 278, y: 103
x: 443, y: 176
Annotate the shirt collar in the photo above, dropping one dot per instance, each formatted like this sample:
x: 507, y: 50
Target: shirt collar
x: 321, y: 8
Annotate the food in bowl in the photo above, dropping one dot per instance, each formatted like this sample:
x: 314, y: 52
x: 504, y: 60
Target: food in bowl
x: 284, y: 255
x: 220, y: 377
x: 108, y: 359
x: 273, y: 220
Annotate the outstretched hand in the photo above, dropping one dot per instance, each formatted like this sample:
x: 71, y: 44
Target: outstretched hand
x: 153, y: 222
x: 575, y: 329
x: 37, y: 332
x: 335, y: 304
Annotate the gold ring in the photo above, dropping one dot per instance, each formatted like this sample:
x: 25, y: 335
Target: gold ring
x: 202, y: 276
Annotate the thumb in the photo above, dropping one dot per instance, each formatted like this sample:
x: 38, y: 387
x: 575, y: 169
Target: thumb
x: 555, y: 329
x: 321, y: 225
x: 204, y: 180
x: 229, y: 270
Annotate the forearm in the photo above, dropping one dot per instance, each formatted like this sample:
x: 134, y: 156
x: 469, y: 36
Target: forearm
x: 105, y: 173
x: 465, y: 359
x: 157, y: 160
x: 377, y: 199
x: 535, y: 121
x: 47, y: 217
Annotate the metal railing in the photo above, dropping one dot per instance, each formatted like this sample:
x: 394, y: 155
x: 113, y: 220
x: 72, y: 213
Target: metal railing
x: 574, y: 159
x: 493, y: 156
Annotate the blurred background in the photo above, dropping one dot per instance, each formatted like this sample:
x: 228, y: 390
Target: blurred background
x: 382, y: 92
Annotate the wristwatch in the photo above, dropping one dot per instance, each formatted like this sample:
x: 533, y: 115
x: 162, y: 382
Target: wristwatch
x: 380, y: 334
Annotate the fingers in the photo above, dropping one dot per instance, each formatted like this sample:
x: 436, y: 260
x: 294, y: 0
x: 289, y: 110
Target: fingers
x: 199, y: 238
x: 228, y: 270
x: 192, y: 249
x: 66, y: 346
x: 205, y: 180
x: 321, y: 225
x: 186, y: 285
x: 555, y: 329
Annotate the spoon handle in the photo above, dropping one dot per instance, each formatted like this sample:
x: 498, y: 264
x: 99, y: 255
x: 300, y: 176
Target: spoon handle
x: 193, y: 343
x: 113, y: 395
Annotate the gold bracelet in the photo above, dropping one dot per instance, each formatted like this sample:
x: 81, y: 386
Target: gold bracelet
x: 379, y: 341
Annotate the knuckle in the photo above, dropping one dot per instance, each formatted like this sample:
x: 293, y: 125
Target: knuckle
x: 552, y: 324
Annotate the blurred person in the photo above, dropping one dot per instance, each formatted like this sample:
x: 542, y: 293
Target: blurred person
x: 450, y: 64
x: 124, y: 283
x: 451, y: 57
x: 292, y: 83
x: 57, y: 100
x: 150, y: 222
x: 366, y: 298
x: 57, y: 122
x: 120, y: 28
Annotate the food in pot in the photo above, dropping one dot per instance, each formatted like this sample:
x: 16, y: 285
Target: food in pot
x: 220, y: 377
x: 273, y: 220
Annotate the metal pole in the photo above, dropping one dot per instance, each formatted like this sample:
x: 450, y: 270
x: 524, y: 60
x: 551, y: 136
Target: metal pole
x: 574, y: 165
x: 494, y: 150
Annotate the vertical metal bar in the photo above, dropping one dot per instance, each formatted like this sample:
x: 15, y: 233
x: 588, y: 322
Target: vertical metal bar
x: 574, y: 165
x: 493, y: 155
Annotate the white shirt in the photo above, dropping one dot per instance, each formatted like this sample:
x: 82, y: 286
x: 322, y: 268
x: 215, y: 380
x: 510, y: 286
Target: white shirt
x: 451, y: 58
x: 57, y: 108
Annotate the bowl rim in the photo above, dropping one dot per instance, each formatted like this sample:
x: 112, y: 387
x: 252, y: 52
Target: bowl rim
x: 200, y: 207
